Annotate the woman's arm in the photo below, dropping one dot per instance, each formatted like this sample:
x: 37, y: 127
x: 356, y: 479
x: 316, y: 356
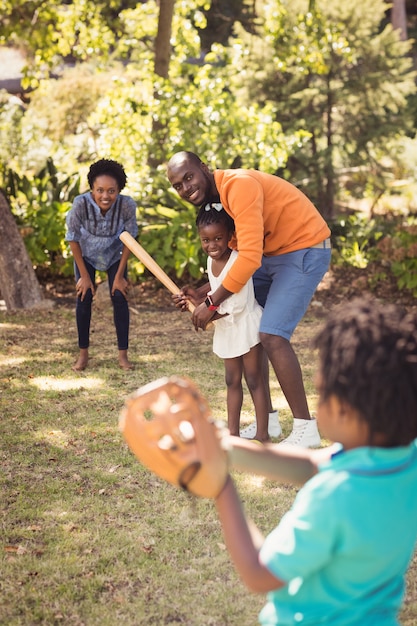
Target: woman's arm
x: 120, y: 281
x: 84, y: 282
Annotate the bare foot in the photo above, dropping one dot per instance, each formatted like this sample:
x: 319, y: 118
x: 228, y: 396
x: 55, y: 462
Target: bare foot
x: 82, y: 361
x: 127, y: 365
x: 124, y: 362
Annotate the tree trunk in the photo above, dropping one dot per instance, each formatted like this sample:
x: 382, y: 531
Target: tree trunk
x: 163, y: 38
x: 19, y: 286
x: 399, y: 18
x: 162, y: 58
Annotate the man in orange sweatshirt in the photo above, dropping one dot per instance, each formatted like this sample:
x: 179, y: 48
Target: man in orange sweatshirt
x: 283, y: 243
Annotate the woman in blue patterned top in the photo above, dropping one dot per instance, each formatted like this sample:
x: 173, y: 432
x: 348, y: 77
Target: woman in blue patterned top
x: 94, y: 223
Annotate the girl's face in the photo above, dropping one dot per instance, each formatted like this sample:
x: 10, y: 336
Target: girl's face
x: 104, y: 192
x: 214, y: 240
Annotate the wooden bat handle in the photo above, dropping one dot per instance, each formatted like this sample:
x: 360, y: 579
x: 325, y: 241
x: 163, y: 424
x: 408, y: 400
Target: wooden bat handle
x: 140, y: 252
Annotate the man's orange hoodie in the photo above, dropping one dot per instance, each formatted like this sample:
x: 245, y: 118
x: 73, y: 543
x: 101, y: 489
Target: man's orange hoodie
x: 271, y: 217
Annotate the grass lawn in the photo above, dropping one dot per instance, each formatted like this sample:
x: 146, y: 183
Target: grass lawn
x: 88, y: 536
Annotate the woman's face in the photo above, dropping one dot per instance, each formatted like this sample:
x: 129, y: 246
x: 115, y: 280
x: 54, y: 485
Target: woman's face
x: 104, y: 192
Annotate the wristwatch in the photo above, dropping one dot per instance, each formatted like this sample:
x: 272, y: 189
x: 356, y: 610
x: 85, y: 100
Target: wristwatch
x: 210, y: 304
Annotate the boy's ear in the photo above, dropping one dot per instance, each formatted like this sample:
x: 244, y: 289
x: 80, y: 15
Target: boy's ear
x: 344, y: 408
x: 345, y: 411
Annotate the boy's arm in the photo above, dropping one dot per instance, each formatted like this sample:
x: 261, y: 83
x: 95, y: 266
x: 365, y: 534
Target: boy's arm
x: 284, y: 463
x: 243, y: 541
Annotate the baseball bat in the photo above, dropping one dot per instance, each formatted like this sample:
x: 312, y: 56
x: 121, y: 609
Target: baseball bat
x: 150, y: 263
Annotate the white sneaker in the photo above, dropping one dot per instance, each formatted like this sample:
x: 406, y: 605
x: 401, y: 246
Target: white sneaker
x: 304, y: 434
x: 274, y: 427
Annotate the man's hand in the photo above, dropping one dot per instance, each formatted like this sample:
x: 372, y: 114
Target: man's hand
x: 201, y: 317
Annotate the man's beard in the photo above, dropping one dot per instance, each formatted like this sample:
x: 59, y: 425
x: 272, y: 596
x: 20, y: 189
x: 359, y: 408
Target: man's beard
x: 210, y: 196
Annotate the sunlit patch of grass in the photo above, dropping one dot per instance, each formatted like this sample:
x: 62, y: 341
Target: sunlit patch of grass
x: 11, y: 326
x: 54, y: 437
x: 156, y: 358
x: 52, y: 383
x: 11, y: 361
x: 89, y: 536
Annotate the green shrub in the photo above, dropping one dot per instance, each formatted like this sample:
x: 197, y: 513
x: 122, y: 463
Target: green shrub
x: 385, y: 244
x: 354, y: 238
x: 398, y: 251
x: 39, y: 204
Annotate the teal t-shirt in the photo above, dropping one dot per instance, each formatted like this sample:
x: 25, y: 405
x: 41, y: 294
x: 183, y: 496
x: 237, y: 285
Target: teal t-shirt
x: 345, y: 545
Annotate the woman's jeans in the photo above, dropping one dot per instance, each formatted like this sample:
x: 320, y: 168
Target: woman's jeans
x: 120, y: 309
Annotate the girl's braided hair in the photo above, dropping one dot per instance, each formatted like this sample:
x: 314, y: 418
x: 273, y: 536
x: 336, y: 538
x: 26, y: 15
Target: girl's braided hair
x: 368, y: 359
x: 107, y: 167
x: 212, y: 214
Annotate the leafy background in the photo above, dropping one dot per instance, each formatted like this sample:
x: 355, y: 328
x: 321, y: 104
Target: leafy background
x: 321, y: 94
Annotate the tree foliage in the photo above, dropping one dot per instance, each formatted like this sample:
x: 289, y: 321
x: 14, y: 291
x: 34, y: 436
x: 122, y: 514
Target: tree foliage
x: 306, y: 90
x: 332, y: 71
x: 40, y: 204
x: 76, y: 31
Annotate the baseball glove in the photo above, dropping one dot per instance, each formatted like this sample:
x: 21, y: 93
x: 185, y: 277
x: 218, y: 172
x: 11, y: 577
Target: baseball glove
x: 168, y: 426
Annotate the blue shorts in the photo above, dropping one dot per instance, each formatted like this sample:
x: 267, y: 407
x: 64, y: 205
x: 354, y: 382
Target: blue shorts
x: 284, y: 286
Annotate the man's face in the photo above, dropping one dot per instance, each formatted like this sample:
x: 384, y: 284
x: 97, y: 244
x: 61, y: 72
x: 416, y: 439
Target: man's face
x: 193, y: 182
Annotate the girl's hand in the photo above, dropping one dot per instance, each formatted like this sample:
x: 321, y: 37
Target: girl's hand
x: 187, y: 294
x: 180, y: 301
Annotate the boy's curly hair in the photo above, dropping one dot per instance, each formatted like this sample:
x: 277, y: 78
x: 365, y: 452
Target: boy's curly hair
x: 213, y: 213
x: 107, y: 167
x: 368, y: 359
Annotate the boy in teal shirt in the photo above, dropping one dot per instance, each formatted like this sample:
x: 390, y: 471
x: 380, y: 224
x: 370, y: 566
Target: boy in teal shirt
x: 340, y: 555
